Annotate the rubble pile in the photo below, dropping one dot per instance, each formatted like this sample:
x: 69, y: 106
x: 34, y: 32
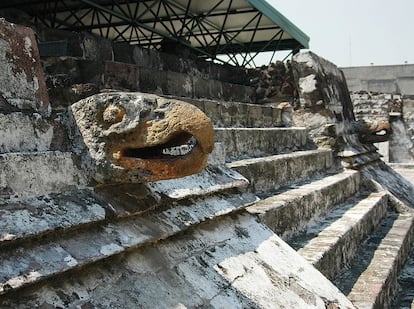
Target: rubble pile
x: 273, y: 83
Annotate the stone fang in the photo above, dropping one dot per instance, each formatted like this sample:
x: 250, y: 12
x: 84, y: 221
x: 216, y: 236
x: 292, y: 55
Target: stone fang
x: 180, y: 150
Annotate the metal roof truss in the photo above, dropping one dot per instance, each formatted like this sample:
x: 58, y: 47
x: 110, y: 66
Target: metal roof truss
x: 210, y: 27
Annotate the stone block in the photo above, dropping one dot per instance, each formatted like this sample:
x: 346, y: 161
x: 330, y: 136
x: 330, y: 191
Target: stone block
x: 267, y: 116
x: 216, y: 89
x: 237, y: 93
x: 229, y: 113
x: 53, y: 36
x: 255, y: 115
x: 22, y: 83
x: 259, y: 142
x: 152, y: 81
x: 84, y: 45
x: 173, y: 63
x: 270, y: 173
x: 147, y: 58
x: 69, y: 79
x: 179, y: 84
x: 212, y: 110
x: 198, y: 103
x: 91, y: 71
x: 201, y: 88
x: 25, y: 174
x: 57, y: 67
x: 21, y: 133
x: 95, y: 47
x: 123, y: 52
x: 121, y: 76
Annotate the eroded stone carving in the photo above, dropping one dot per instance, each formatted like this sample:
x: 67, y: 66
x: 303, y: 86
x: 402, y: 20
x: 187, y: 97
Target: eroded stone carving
x: 372, y: 131
x: 135, y: 137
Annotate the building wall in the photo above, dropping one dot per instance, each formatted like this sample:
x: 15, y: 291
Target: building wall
x: 385, y: 79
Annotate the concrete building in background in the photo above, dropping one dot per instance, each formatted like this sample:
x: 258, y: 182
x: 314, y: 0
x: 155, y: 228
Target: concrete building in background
x: 385, y: 79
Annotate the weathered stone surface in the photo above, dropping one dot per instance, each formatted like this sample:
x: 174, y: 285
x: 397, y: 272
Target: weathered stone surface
x: 391, y: 181
x: 121, y: 76
x: 331, y: 243
x: 83, y: 45
x: 132, y: 137
x: 324, y: 102
x: 212, y: 179
x: 48, y: 257
x: 153, y: 60
x: 401, y: 145
x: 405, y: 295
x: 268, y: 174
x: 22, y: 83
x: 371, y: 281
x: 322, y: 85
x: 20, y: 132
x: 242, y: 264
x: 327, y: 110
x: 239, y: 115
x: 36, y: 216
x: 287, y: 213
x: 32, y: 174
x: 369, y: 106
x: 257, y: 142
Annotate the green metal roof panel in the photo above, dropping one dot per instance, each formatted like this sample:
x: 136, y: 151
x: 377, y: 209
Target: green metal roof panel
x: 274, y: 15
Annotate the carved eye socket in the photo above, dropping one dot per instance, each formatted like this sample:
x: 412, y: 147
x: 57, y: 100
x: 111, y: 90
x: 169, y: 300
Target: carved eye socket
x: 113, y: 114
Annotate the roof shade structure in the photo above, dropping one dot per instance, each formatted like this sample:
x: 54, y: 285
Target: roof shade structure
x: 209, y: 27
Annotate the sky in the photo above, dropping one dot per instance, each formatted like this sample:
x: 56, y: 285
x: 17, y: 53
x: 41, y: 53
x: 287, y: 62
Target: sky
x: 355, y: 32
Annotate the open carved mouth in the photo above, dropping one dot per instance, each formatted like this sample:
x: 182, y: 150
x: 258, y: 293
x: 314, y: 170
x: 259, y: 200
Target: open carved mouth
x: 177, y: 147
x: 383, y: 132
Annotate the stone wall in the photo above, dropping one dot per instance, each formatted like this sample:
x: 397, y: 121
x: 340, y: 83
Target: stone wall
x: 385, y: 79
x: 80, y: 64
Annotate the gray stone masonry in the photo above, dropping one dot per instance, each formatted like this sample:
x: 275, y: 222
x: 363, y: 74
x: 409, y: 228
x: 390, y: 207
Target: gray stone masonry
x: 22, y: 84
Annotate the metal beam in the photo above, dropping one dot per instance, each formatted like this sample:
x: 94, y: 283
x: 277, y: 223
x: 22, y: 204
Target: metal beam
x: 138, y: 24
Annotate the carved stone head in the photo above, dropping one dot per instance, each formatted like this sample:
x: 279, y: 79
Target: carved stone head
x: 135, y: 137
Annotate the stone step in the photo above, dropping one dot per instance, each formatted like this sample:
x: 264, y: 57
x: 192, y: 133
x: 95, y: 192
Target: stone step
x: 39, y: 173
x: 259, y: 142
x: 332, y: 242
x: 31, y: 174
x: 226, y: 114
x: 405, y: 294
x: 288, y: 212
x: 268, y: 174
x: 46, y: 257
x: 21, y: 132
x: 33, y: 217
x: 370, y: 281
x: 231, y: 262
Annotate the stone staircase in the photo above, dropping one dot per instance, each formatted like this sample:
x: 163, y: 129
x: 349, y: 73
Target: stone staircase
x: 222, y: 238
x: 353, y: 234
x: 65, y: 244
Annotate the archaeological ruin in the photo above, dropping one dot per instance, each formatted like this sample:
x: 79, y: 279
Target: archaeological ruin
x: 140, y: 168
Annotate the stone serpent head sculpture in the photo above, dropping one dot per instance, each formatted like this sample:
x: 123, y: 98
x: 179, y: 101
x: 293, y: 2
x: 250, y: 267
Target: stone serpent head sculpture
x: 135, y: 137
x: 373, y: 131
